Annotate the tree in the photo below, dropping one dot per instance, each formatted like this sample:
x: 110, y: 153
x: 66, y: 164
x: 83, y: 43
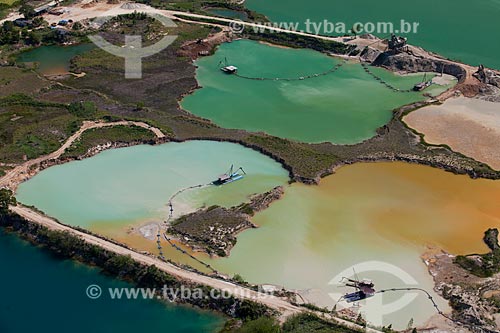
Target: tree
x: 8, y: 26
x: 6, y: 199
x: 83, y: 109
x: 27, y: 11
x: 77, y: 26
x: 239, y: 279
x: 33, y: 39
x: 37, y: 21
x: 9, y: 34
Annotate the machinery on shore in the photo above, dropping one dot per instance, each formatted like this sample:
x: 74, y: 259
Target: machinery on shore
x: 397, y: 43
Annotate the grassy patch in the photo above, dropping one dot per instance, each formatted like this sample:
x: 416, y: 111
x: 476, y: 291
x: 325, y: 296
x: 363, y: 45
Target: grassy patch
x: 483, y: 265
x: 8, y: 2
x: 305, y: 323
x: 301, y: 157
x: 100, y: 136
x: 301, y: 323
x: 15, y: 80
x: 31, y: 128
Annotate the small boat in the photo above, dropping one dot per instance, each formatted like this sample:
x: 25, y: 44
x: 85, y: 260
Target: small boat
x: 422, y: 85
x: 229, y: 69
x: 229, y: 177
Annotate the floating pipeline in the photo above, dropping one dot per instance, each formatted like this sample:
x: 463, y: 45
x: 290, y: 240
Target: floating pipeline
x: 172, y: 244
x: 365, y: 67
x: 330, y: 71
x: 431, y: 299
x: 300, y: 78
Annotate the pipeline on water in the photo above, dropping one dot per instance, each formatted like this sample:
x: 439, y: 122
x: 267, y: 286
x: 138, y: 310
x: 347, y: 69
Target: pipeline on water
x: 330, y: 71
x: 300, y: 78
x: 431, y: 299
x: 377, y: 78
x: 170, y: 216
x: 429, y: 296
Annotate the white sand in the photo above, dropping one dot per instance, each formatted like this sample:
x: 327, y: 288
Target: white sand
x: 469, y: 126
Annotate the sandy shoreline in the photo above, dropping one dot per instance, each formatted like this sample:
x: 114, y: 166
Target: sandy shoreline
x: 469, y: 126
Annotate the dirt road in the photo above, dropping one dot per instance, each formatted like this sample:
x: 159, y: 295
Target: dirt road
x: 15, y: 176
x: 284, y: 307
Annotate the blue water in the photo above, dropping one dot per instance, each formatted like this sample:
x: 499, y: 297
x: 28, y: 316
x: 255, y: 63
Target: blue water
x: 41, y: 293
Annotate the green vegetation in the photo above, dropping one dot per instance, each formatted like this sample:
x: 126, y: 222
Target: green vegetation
x: 239, y: 279
x: 20, y: 81
x: 85, y: 110
x: 483, y: 265
x: 33, y: 34
x: 211, y: 228
x: 101, y: 136
x: 97, y: 59
x: 7, y: 2
x: 21, y: 99
x: 27, y: 11
x: 260, y: 325
x: 6, y: 199
x: 302, y: 158
x: 301, y: 323
x: 305, y: 323
x: 292, y: 40
x: 31, y: 128
x: 134, y: 23
x: 6, y: 6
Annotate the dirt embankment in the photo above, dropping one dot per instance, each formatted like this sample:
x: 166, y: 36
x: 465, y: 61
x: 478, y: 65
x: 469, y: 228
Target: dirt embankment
x: 203, y: 47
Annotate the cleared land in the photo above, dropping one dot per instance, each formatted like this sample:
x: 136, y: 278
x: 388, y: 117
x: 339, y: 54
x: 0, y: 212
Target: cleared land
x: 469, y: 126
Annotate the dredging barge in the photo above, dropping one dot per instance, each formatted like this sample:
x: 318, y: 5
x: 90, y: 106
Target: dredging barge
x: 422, y: 85
x: 229, y: 69
x: 230, y: 176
